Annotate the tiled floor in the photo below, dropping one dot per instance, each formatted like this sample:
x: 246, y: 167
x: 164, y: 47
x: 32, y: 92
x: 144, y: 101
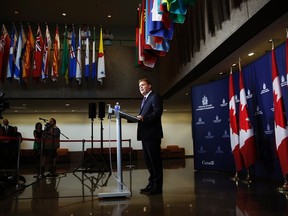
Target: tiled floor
x: 185, y: 192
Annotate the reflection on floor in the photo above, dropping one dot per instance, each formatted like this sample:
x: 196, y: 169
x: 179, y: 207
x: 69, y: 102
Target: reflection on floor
x: 185, y: 192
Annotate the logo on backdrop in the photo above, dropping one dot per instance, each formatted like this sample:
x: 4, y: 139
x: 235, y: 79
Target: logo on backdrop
x: 283, y: 81
x: 224, y: 103
x: 217, y: 120
x: 200, y: 121
x: 258, y: 111
x: 205, y: 105
x: 268, y: 130
x: 218, y: 150
x: 201, y: 150
x: 225, y: 135
x: 209, y: 135
x: 249, y: 95
x: 264, y: 89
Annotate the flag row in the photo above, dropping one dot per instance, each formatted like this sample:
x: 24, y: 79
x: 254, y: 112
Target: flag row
x: 155, y: 27
x: 242, y: 136
x: 22, y: 56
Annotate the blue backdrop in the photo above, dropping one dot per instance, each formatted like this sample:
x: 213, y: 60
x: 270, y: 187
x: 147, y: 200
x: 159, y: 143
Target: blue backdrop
x: 210, y: 114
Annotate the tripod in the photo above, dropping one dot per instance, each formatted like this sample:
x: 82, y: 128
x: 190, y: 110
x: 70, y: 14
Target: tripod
x: 90, y: 163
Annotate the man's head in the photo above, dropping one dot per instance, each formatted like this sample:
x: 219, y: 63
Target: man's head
x: 52, y: 122
x: 144, y: 86
x: 5, y: 122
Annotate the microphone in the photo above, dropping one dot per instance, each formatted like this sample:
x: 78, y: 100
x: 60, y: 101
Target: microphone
x: 43, y: 119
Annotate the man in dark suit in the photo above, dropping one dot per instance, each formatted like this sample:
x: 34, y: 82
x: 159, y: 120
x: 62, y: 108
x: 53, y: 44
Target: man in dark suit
x: 150, y: 133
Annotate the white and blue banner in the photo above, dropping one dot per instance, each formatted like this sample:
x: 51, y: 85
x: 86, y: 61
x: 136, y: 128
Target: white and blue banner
x: 210, y: 114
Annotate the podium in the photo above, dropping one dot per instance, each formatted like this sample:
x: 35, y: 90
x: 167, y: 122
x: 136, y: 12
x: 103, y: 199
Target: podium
x: 120, y: 191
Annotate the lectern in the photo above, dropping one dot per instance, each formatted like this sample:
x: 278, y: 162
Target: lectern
x: 119, y: 191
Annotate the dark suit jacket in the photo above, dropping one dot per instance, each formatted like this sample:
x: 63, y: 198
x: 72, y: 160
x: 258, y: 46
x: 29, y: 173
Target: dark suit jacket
x: 10, y: 131
x: 151, y: 127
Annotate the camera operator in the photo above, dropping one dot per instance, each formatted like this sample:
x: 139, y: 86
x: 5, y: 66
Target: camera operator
x: 51, y: 144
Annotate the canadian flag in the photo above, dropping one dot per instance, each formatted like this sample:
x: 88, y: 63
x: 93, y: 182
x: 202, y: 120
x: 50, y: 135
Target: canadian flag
x: 246, y: 139
x: 234, y: 131
x: 280, y: 122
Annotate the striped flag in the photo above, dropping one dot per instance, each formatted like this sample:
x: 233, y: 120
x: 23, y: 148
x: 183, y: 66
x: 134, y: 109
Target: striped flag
x: 11, y: 60
x: 101, y: 62
x: 79, y: 59
x: 37, y: 64
x: 4, y: 52
x: 46, y: 53
x: 286, y: 47
x: 234, y: 131
x: 55, y: 65
x: 246, y: 138
x: 72, y: 57
x: 94, y: 68
x: 17, y: 72
x: 280, y: 121
x: 87, y: 60
x: 30, y: 45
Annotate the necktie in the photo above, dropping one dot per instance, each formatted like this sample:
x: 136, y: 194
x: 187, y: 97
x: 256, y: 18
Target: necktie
x: 143, y: 101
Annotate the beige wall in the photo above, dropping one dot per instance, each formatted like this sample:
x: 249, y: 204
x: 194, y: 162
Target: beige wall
x: 176, y: 126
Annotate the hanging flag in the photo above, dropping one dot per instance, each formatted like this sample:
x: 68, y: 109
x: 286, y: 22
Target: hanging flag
x: 234, y: 131
x: 46, y: 53
x: 72, y: 60
x: 27, y: 59
x: 79, y: 59
x: 11, y: 60
x: 246, y: 135
x: 87, y: 63
x: 4, y: 52
x: 286, y: 46
x: 280, y: 121
x: 37, y: 64
x: 94, y: 68
x: 55, y: 65
x: 17, y: 72
x: 65, y: 57
x: 101, y: 62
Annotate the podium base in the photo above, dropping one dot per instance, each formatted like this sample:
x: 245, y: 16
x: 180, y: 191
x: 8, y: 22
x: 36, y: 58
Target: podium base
x: 107, y: 192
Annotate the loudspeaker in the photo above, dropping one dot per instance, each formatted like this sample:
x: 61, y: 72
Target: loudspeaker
x: 101, y: 114
x: 92, y: 110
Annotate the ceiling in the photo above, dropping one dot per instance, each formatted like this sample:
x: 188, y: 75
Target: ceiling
x: 94, y: 12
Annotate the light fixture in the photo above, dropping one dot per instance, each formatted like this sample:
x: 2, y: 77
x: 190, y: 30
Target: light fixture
x: 64, y: 14
x: 16, y: 12
x: 251, y: 54
x: 233, y: 65
x: 67, y: 104
x: 109, y: 16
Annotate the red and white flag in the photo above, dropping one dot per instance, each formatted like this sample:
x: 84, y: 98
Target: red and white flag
x: 234, y: 131
x: 280, y: 121
x: 4, y: 52
x: 247, y: 139
x: 37, y: 63
x: 286, y: 57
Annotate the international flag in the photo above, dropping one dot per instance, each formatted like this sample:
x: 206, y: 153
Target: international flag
x: 79, y: 59
x: 101, y: 62
x: 37, y: 64
x: 18, y: 59
x: 65, y: 57
x: 87, y: 60
x: 11, y: 60
x: 286, y: 47
x: 234, y: 131
x: 56, y: 54
x: 4, y: 52
x: 246, y: 139
x: 46, y: 53
x: 27, y: 59
x: 280, y: 121
x: 94, y: 68
x: 72, y: 58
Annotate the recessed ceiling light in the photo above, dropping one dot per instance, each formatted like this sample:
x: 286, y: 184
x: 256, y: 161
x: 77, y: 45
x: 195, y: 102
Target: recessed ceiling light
x: 67, y: 104
x: 64, y: 14
x: 109, y: 16
x: 233, y: 65
x: 16, y: 12
x: 251, y: 54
